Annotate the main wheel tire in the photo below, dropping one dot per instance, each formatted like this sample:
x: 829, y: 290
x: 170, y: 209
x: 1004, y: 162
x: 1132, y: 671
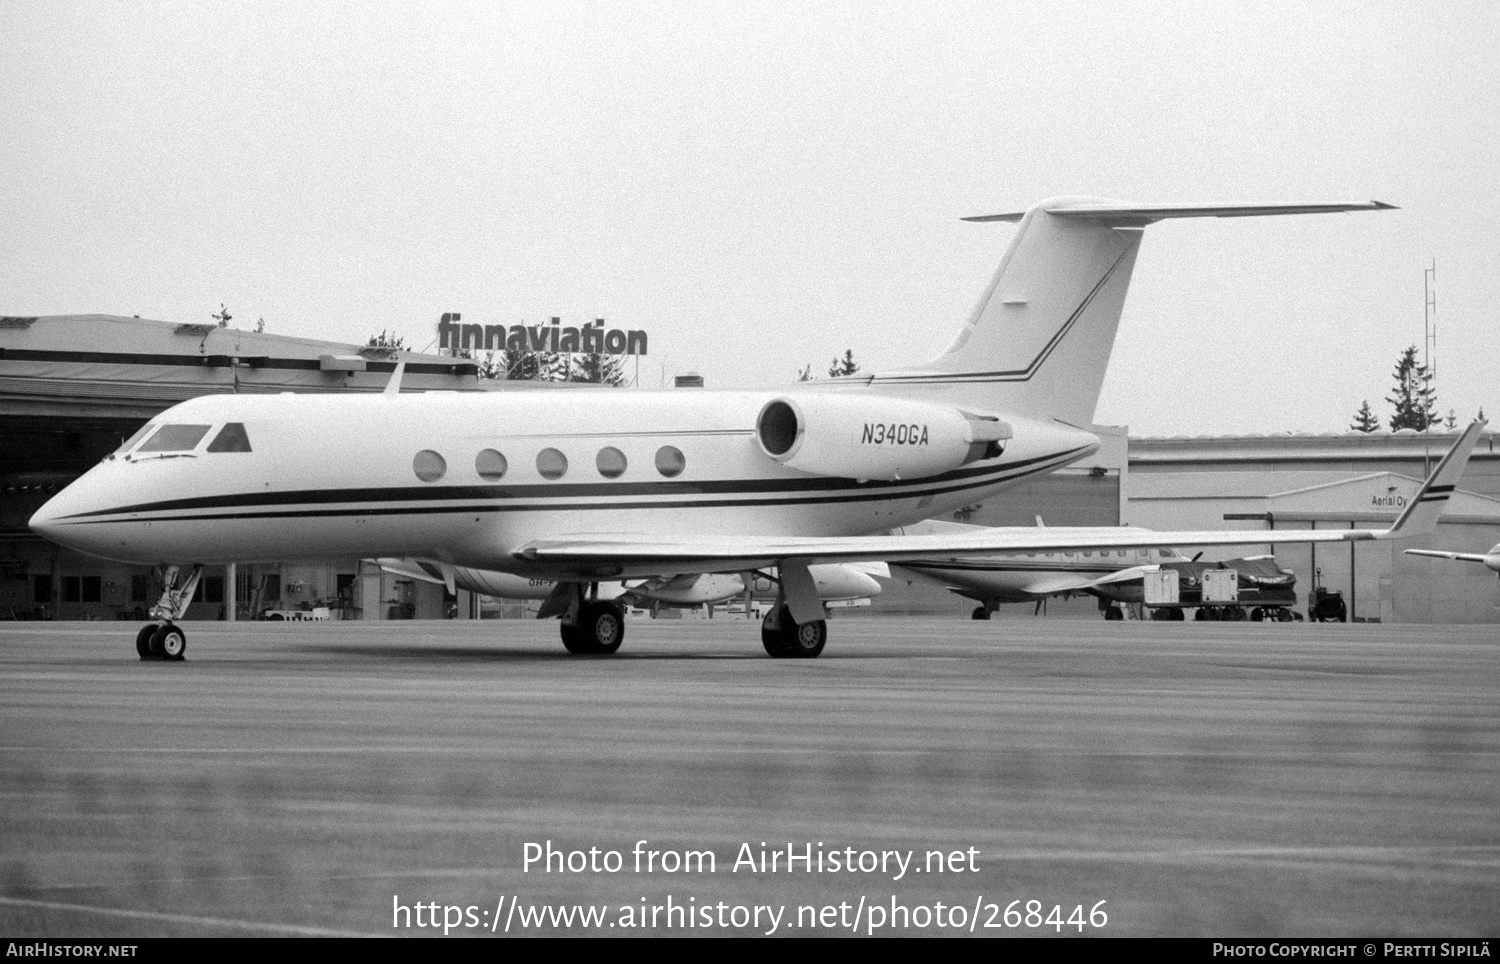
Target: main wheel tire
x: 1257, y: 614
x: 1285, y: 615
x: 575, y: 640
x: 980, y: 612
x: 802, y: 640
x: 169, y: 642
x: 1113, y: 613
x: 599, y: 631
x: 770, y: 637
x: 143, y: 641
x: 1177, y: 615
x: 604, y: 626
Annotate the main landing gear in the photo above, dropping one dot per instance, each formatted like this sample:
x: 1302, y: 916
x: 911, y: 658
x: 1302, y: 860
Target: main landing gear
x: 784, y: 638
x: 598, y: 630
x: 590, y: 626
x: 163, y: 638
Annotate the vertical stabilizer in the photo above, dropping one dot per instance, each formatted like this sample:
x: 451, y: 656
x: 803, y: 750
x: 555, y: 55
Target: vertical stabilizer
x: 1040, y: 338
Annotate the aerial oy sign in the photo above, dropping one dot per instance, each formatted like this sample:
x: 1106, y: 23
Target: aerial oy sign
x: 591, y: 339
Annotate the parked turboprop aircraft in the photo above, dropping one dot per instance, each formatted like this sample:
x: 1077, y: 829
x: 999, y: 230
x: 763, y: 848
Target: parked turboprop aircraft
x: 592, y: 486
x: 1490, y: 559
x: 835, y: 583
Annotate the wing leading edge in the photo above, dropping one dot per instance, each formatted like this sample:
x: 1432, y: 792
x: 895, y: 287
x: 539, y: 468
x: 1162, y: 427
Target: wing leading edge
x: 604, y: 555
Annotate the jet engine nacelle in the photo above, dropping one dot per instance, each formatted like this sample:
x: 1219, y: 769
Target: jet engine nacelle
x: 874, y: 437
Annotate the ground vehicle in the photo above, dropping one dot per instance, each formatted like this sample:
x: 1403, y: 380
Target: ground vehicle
x: 1262, y: 590
x: 1326, y: 606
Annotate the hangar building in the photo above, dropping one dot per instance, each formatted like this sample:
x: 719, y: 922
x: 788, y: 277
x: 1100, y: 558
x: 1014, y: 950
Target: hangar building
x: 73, y: 387
x: 1348, y: 481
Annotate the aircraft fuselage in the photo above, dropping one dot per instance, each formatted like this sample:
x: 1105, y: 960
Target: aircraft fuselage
x: 466, y: 477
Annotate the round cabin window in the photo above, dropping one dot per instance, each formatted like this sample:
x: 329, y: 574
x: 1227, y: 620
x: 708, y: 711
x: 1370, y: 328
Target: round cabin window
x: 490, y: 465
x: 611, y: 463
x: 670, y: 461
x: 551, y: 463
x: 429, y: 466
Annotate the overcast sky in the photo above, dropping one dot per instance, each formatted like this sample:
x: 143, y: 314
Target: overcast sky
x: 760, y: 186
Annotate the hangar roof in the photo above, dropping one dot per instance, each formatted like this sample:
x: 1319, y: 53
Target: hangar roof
x: 1200, y: 449
x: 113, y: 366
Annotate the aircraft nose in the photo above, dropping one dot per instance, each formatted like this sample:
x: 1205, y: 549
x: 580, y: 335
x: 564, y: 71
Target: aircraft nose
x: 44, y: 520
x: 50, y: 521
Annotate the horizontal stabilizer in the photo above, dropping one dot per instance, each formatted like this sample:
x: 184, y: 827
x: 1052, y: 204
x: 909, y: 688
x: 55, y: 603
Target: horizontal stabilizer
x: 1146, y: 214
x: 1456, y: 556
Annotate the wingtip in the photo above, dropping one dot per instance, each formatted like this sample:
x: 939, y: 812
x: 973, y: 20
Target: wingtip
x: 1382, y: 206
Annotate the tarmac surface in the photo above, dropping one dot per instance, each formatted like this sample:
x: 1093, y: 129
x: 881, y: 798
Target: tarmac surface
x: 1187, y: 779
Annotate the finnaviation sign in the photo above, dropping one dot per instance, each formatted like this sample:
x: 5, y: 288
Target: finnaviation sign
x: 591, y: 339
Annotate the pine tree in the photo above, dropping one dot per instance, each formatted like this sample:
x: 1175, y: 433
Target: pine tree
x: 492, y: 365
x: 553, y: 366
x: 1414, y: 400
x: 843, y: 367
x: 1451, y: 422
x: 387, y: 340
x: 521, y: 366
x: 602, y: 369
x: 805, y: 375
x: 1365, y: 420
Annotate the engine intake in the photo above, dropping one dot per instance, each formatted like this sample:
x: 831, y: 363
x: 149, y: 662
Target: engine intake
x: 872, y: 437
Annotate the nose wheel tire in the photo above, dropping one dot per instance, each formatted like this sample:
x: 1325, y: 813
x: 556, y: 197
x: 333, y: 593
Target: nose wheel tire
x: 167, y: 642
x: 143, y: 641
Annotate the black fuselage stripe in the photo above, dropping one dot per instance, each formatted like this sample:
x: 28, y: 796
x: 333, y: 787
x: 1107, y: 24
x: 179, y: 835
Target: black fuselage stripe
x: 497, y: 506
x: 851, y: 489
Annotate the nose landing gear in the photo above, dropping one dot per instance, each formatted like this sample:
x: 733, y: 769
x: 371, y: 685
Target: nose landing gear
x: 163, y: 638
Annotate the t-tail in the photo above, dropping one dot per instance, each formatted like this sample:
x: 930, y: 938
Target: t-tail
x: 1420, y: 516
x: 1039, y: 340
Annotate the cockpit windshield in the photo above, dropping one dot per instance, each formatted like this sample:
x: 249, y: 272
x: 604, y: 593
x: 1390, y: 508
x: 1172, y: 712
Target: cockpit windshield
x: 232, y: 438
x: 140, y: 433
x: 175, y: 438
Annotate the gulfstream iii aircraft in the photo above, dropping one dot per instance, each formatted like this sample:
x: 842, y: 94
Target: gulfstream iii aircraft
x: 587, y: 486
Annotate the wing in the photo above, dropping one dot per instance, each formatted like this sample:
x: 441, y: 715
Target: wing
x: 595, y: 557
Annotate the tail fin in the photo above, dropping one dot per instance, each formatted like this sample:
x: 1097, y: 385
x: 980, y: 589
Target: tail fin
x: 1420, y: 516
x: 1040, y: 338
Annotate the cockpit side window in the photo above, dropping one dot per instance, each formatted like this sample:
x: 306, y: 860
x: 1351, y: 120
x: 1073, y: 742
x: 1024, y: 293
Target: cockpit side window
x: 175, y: 438
x: 140, y: 433
x: 232, y: 438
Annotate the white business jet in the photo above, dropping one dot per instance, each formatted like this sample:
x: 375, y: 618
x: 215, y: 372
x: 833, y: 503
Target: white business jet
x: 1489, y: 559
x: 593, y: 486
